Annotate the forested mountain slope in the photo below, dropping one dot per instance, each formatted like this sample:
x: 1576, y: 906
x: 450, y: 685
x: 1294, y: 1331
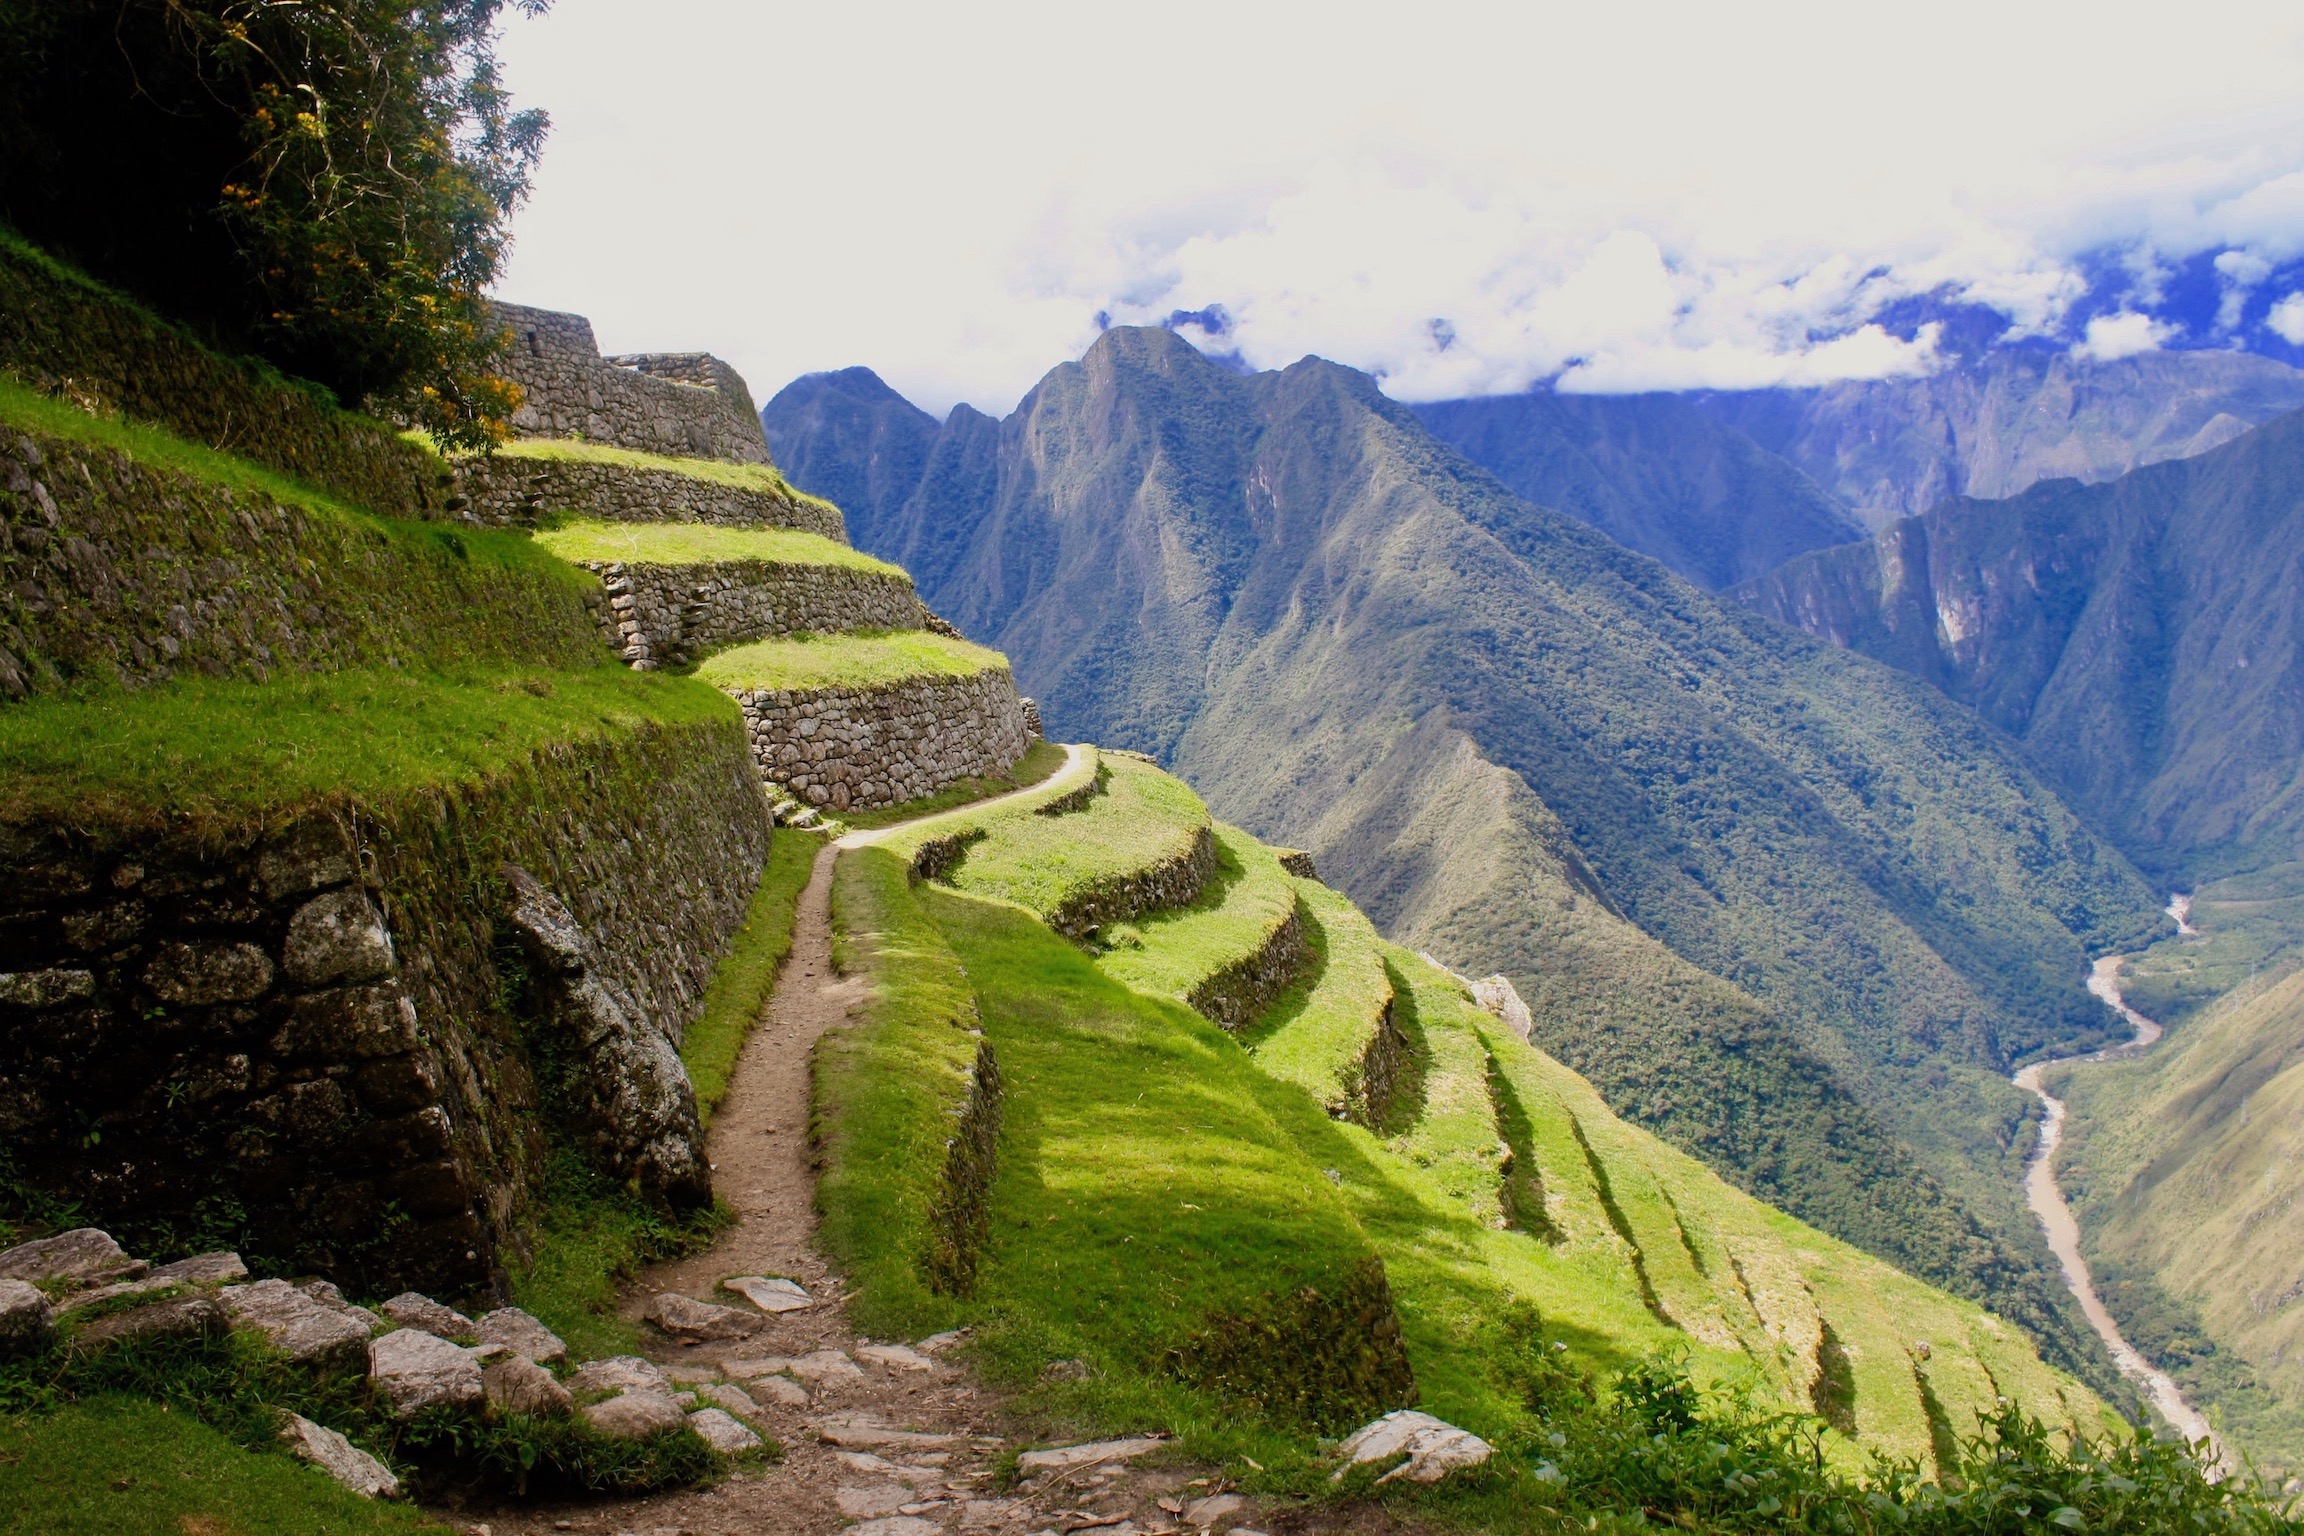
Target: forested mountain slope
x: 1786, y: 906
x: 2142, y: 639
x: 1654, y: 473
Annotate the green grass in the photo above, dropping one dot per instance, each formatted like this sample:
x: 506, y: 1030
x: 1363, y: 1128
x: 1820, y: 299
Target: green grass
x: 1143, y: 818
x: 1234, y: 916
x: 1316, y: 1035
x: 857, y: 659
x: 738, y: 995
x: 588, y: 1239
x: 121, y: 1466
x: 1040, y: 761
x: 213, y: 749
x: 744, y: 477
x: 584, y: 539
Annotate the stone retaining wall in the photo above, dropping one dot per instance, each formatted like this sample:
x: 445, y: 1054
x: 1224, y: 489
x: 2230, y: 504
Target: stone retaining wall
x: 858, y: 749
x: 1240, y: 992
x: 300, y: 1040
x: 508, y: 490
x: 1172, y: 882
x: 688, y: 404
x: 669, y: 615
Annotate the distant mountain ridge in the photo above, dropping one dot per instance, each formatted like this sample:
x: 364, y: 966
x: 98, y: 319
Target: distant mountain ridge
x: 1781, y: 904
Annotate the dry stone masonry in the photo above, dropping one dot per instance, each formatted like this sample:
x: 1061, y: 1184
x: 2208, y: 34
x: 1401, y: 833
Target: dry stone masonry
x: 514, y: 490
x: 687, y: 404
x: 858, y: 749
x: 669, y: 615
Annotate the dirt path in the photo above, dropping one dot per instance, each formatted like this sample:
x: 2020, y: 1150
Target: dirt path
x: 891, y: 1435
x: 2047, y: 1201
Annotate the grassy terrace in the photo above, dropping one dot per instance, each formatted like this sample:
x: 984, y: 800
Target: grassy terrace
x: 860, y: 658
x: 1172, y: 952
x: 1143, y: 818
x: 763, y: 478
x: 1317, y: 1033
x: 699, y: 543
x: 202, y: 748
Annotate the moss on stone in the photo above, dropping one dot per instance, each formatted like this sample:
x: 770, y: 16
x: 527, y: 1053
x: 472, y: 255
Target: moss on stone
x: 592, y: 540
x: 857, y: 659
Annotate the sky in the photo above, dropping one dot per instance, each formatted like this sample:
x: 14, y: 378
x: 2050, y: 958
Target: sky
x: 1461, y: 198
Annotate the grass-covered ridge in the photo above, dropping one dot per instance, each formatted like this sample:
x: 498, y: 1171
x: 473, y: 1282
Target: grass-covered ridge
x: 217, y: 749
x: 1171, y: 952
x: 763, y: 478
x: 591, y: 539
x: 860, y: 658
x: 1317, y: 1035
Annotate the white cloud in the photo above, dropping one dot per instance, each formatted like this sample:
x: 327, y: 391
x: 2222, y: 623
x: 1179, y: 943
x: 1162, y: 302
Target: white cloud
x: 1630, y: 196
x: 2287, y: 319
x: 2112, y: 337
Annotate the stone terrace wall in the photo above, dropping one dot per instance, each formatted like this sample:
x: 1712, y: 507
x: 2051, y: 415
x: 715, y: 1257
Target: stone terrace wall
x: 505, y: 490
x: 858, y: 749
x: 295, y: 1041
x: 120, y: 572
x: 70, y: 336
x: 687, y: 404
x: 669, y: 615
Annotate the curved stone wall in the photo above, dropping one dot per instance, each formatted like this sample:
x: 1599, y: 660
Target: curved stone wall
x: 689, y: 404
x: 300, y: 1040
x: 668, y: 615
x: 1169, y: 883
x: 507, y: 490
x: 858, y: 749
x: 1238, y: 993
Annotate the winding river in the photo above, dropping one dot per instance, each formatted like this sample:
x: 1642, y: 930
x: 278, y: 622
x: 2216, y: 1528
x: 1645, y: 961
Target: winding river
x: 2047, y: 1202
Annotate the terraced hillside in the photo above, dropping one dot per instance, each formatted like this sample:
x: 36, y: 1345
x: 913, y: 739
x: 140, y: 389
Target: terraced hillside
x: 1226, y: 1072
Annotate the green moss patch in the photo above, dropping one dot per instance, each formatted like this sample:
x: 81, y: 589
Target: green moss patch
x: 589, y: 539
x: 218, y: 749
x: 1172, y: 952
x: 857, y: 659
x: 747, y: 974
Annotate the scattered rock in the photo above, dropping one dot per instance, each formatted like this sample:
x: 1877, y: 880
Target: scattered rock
x: 619, y: 1373
x: 203, y: 1269
x: 179, y: 1317
x: 746, y: 1370
x: 81, y: 1301
x: 895, y: 1525
x: 684, y: 1317
x: 634, y: 1415
x: 686, y: 1400
x: 416, y: 1370
x: 339, y: 1458
x: 83, y: 1256
x: 1064, y: 1370
x: 1204, y: 1513
x: 690, y: 1375
x: 735, y: 1399
x: 1433, y: 1447
x: 895, y: 1357
x: 769, y: 1295
x: 937, y: 1343
x: 863, y: 1503
x: 411, y: 1309
x: 1064, y: 1458
x: 722, y: 1433
x: 782, y: 1391
x: 518, y: 1385
x: 296, y: 1323
x: 1501, y: 998
x: 825, y: 1365
x: 523, y: 1333
x: 863, y: 1437
x: 24, y: 1316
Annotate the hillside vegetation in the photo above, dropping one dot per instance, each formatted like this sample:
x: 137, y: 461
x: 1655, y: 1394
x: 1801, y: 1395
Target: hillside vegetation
x: 1789, y: 909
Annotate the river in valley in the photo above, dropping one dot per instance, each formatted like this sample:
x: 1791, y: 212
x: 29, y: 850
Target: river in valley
x: 2047, y: 1202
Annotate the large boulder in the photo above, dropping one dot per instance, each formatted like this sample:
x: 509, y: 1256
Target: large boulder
x: 619, y: 1373
x: 639, y: 1109
x: 722, y: 1432
x: 178, y: 1317
x: 415, y: 1370
x: 1432, y: 1448
x: 685, y: 1318
x: 339, y: 1458
x: 83, y: 1256
x: 635, y: 1415
x: 518, y: 1385
x: 24, y: 1316
x: 202, y: 1269
x: 298, y: 1324
x: 411, y: 1309
x: 520, y: 1333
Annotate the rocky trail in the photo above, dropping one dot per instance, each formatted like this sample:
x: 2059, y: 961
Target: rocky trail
x: 2046, y: 1199
x: 890, y: 1434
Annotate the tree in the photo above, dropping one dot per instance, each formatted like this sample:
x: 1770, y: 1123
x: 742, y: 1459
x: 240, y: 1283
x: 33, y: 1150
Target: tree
x: 325, y: 182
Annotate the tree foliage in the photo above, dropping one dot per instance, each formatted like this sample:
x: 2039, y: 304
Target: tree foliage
x: 327, y: 182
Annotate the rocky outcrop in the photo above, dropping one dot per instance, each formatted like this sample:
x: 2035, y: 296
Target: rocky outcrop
x: 519, y: 491
x: 688, y: 404
x: 669, y: 615
x: 858, y: 749
x: 631, y: 1096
